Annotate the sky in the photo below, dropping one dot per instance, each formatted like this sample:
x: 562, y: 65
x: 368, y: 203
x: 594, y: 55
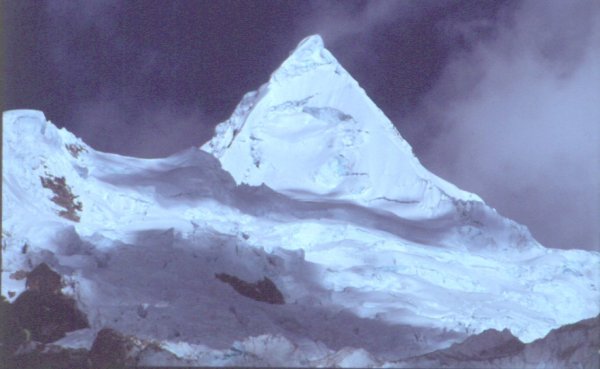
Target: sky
x: 498, y: 97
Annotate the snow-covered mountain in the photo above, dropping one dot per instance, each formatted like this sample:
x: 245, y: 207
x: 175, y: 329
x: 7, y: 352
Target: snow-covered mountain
x: 312, y: 131
x: 309, y: 189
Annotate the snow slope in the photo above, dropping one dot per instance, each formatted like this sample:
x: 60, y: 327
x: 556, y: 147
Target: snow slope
x: 365, y: 279
x: 312, y: 130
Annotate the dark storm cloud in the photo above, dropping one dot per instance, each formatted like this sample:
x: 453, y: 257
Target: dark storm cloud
x: 516, y: 120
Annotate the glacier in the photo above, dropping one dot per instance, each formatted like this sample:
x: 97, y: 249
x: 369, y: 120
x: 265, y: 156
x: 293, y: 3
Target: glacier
x: 308, y: 184
x: 341, y: 143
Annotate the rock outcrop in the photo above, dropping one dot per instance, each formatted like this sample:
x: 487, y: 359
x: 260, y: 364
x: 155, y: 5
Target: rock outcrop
x: 43, y: 310
x: 264, y: 290
x: 571, y: 346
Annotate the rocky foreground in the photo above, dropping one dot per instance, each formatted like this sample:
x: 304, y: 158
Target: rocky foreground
x: 42, y: 315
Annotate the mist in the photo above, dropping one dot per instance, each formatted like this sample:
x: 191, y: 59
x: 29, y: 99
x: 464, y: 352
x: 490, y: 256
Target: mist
x: 145, y: 78
x: 147, y: 131
x: 515, y: 118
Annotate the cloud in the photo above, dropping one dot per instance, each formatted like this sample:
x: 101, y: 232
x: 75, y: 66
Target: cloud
x: 68, y: 20
x: 115, y: 125
x: 351, y: 27
x: 84, y: 13
x: 338, y: 22
x: 118, y: 104
x: 515, y: 118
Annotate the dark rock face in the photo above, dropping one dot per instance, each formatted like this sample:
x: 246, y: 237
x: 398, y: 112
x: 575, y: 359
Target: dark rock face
x: 43, y: 310
x: 477, y: 351
x: 37, y: 355
x: 111, y: 350
x: 264, y: 290
x: 48, y: 317
x: 570, y: 346
x: 11, y: 333
x: 489, y: 344
x: 43, y: 279
x: 75, y: 149
x: 63, y: 197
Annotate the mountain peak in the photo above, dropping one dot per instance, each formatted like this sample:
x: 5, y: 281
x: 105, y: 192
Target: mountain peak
x: 311, y: 42
x: 308, y: 55
x: 24, y: 124
x: 312, y: 130
x: 10, y: 116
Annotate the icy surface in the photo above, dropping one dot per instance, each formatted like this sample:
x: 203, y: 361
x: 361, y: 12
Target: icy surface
x: 312, y: 130
x: 376, y: 267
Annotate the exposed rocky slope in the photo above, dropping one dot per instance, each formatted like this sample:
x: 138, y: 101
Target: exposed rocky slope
x: 573, y: 346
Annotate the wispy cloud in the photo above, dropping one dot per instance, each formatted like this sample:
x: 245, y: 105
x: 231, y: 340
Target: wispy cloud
x: 149, y: 131
x: 116, y: 112
x: 340, y: 21
x: 69, y: 19
x: 516, y: 119
x: 351, y: 25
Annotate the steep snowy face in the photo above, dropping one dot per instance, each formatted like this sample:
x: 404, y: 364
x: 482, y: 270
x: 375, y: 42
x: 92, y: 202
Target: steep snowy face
x: 312, y: 130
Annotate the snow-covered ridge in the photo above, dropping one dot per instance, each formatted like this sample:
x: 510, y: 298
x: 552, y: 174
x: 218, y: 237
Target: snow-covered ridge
x: 311, y: 130
x: 311, y: 133
x: 364, y: 279
x: 308, y: 55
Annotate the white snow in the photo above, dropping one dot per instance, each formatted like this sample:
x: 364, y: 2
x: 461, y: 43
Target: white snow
x: 373, y: 267
x: 312, y: 130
